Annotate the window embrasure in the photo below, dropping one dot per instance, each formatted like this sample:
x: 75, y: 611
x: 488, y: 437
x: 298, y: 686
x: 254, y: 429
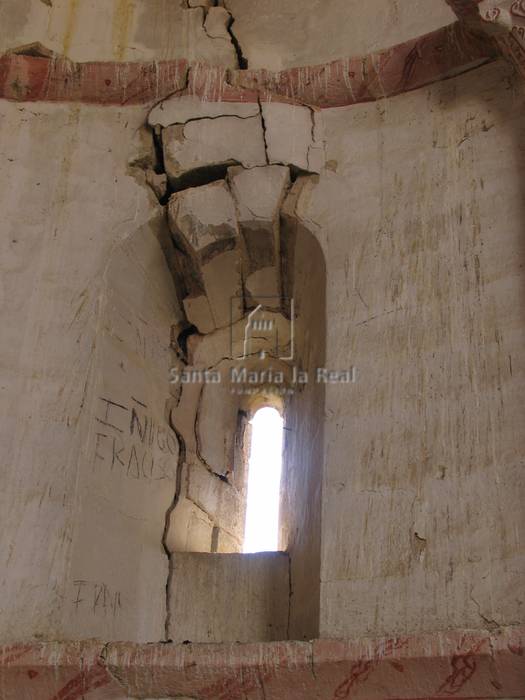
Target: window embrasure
x: 264, y: 481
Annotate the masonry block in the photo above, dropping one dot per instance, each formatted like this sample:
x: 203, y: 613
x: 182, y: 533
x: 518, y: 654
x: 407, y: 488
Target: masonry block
x: 190, y: 529
x: 204, y: 224
x: 229, y: 597
x: 259, y: 193
x: 292, y: 135
x: 194, y: 151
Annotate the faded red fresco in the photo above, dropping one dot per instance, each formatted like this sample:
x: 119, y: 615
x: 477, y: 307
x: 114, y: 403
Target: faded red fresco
x: 347, y: 81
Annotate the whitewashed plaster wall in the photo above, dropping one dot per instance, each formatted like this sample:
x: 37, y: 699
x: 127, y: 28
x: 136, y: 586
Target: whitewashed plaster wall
x: 271, y: 33
x: 422, y: 216
x: 302, y: 473
x: 116, y: 30
x: 87, y: 308
x: 275, y: 34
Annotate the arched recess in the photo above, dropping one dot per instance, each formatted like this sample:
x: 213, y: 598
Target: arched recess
x: 251, y: 278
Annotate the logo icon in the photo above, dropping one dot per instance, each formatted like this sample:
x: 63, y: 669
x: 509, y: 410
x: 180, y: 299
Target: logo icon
x: 265, y: 332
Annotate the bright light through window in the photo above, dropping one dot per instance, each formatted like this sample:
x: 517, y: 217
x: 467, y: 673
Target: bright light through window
x: 264, y: 480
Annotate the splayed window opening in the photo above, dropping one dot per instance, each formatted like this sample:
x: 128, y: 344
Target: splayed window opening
x: 264, y: 482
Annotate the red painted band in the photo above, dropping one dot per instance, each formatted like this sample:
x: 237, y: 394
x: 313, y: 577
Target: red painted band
x: 462, y: 664
x: 404, y: 67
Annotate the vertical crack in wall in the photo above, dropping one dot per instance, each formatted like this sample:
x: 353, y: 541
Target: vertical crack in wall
x: 241, y: 58
x: 264, y: 132
x: 176, y: 497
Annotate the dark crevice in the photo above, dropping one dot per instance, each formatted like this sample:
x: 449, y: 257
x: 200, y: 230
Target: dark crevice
x: 201, y: 176
x: 182, y: 341
x: 296, y: 172
x: 241, y: 59
x: 217, y: 116
x: 166, y: 198
x: 36, y: 50
x: 215, y: 539
x: 156, y: 135
x: 160, y: 168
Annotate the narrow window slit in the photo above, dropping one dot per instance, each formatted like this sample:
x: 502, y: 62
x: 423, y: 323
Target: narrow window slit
x: 261, y: 532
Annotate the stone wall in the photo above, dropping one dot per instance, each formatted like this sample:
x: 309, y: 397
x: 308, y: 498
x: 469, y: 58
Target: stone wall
x: 423, y: 519
x: 418, y: 211
x: 277, y: 35
x: 88, y: 459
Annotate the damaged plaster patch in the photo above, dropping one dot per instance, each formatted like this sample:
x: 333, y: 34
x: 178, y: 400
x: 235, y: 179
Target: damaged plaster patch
x: 420, y: 545
x: 35, y: 49
x: 208, y: 37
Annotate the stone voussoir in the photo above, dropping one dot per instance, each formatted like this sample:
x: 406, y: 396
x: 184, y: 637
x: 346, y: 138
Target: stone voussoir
x: 198, y: 136
x: 203, y: 219
x: 203, y: 222
x: 259, y: 194
x: 292, y: 135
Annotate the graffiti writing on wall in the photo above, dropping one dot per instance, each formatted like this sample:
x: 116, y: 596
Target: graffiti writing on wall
x: 97, y: 597
x: 130, y: 441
